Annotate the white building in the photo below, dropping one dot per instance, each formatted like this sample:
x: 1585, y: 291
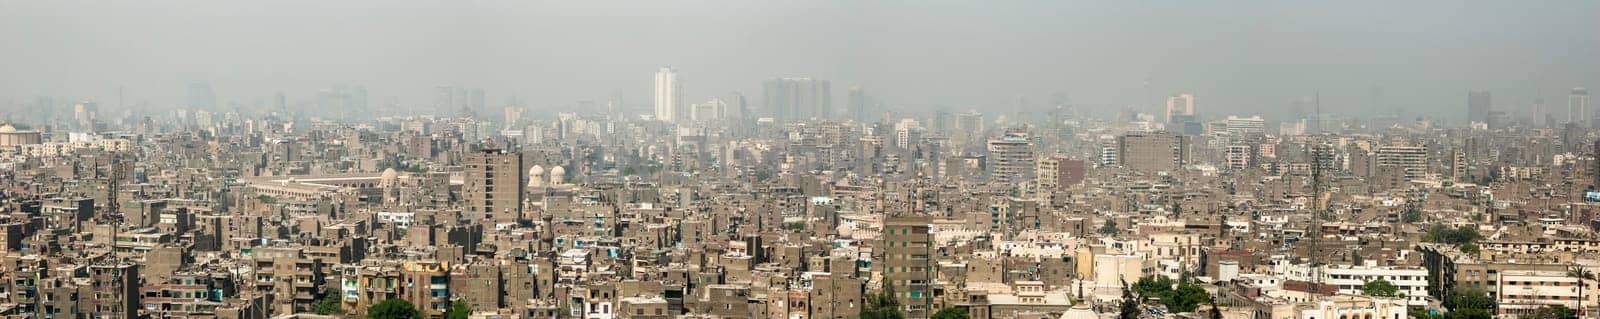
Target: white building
x: 1239, y: 157
x: 1411, y: 283
x: 1521, y: 292
x: 1412, y: 159
x: 669, y: 94
x: 710, y: 110
x: 1355, y: 307
x: 401, y: 220
x: 1246, y: 125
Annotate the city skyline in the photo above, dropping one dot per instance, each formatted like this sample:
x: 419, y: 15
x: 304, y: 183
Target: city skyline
x: 829, y: 159
x: 1255, y: 59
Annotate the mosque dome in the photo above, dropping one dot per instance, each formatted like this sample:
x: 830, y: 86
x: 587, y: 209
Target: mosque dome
x: 389, y: 177
x: 558, y: 175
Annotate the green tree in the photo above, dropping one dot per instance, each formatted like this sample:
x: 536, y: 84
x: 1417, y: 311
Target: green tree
x: 1468, y: 299
x: 1186, y: 298
x: 328, y: 306
x: 1411, y: 215
x: 1554, y: 312
x: 393, y: 309
x: 1469, y: 314
x: 1446, y: 235
x: 1130, y: 304
x: 1109, y: 228
x: 951, y: 313
x: 1379, y: 288
x: 882, y: 305
x: 458, y: 310
x: 1464, y: 237
x: 1153, y: 286
x: 1580, y: 272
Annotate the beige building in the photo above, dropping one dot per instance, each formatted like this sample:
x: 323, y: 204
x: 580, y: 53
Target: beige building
x: 908, y: 264
x: 1151, y: 152
x: 493, y: 189
x: 1011, y: 158
x: 10, y: 136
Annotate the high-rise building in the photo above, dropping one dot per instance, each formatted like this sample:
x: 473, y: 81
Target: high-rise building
x: 444, y: 101
x: 1056, y: 173
x: 1108, y: 155
x: 1478, y: 103
x: 1181, y: 104
x: 669, y: 94
x: 201, y: 97
x: 738, y: 106
x: 1458, y: 166
x: 798, y: 98
x: 857, y: 105
x: 1241, y: 126
x: 1239, y: 156
x: 1152, y: 152
x: 713, y: 109
x: 969, y: 127
x: 84, y: 113
x: 1011, y: 157
x: 280, y: 103
x: 343, y: 102
x: 907, y: 133
x: 1537, y: 113
x: 493, y: 185
x: 1578, y: 105
x: 116, y: 290
x: 908, y: 262
x: 475, y: 102
x: 1411, y: 161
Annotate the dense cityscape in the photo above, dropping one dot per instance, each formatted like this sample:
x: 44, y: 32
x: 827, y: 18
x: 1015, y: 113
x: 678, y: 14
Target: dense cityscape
x: 808, y: 198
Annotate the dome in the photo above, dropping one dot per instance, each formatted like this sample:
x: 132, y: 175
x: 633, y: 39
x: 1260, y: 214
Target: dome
x: 558, y: 175
x: 389, y: 177
x: 1080, y: 311
x: 8, y: 128
x: 536, y: 171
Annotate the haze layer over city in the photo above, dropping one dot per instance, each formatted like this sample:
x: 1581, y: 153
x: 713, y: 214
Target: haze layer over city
x: 799, y: 159
x: 1236, y: 55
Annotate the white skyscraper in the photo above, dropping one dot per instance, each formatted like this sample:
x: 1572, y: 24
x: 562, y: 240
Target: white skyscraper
x: 669, y: 94
x: 1578, y: 105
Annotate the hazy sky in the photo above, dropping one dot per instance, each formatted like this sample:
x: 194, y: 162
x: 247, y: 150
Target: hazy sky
x: 1236, y: 56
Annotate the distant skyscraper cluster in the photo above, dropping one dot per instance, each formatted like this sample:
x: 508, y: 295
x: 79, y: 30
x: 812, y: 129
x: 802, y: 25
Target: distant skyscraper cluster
x: 1478, y: 104
x: 798, y: 98
x: 857, y: 105
x: 344, y: 102
x: 201, y: 97
x: 458, y: 101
